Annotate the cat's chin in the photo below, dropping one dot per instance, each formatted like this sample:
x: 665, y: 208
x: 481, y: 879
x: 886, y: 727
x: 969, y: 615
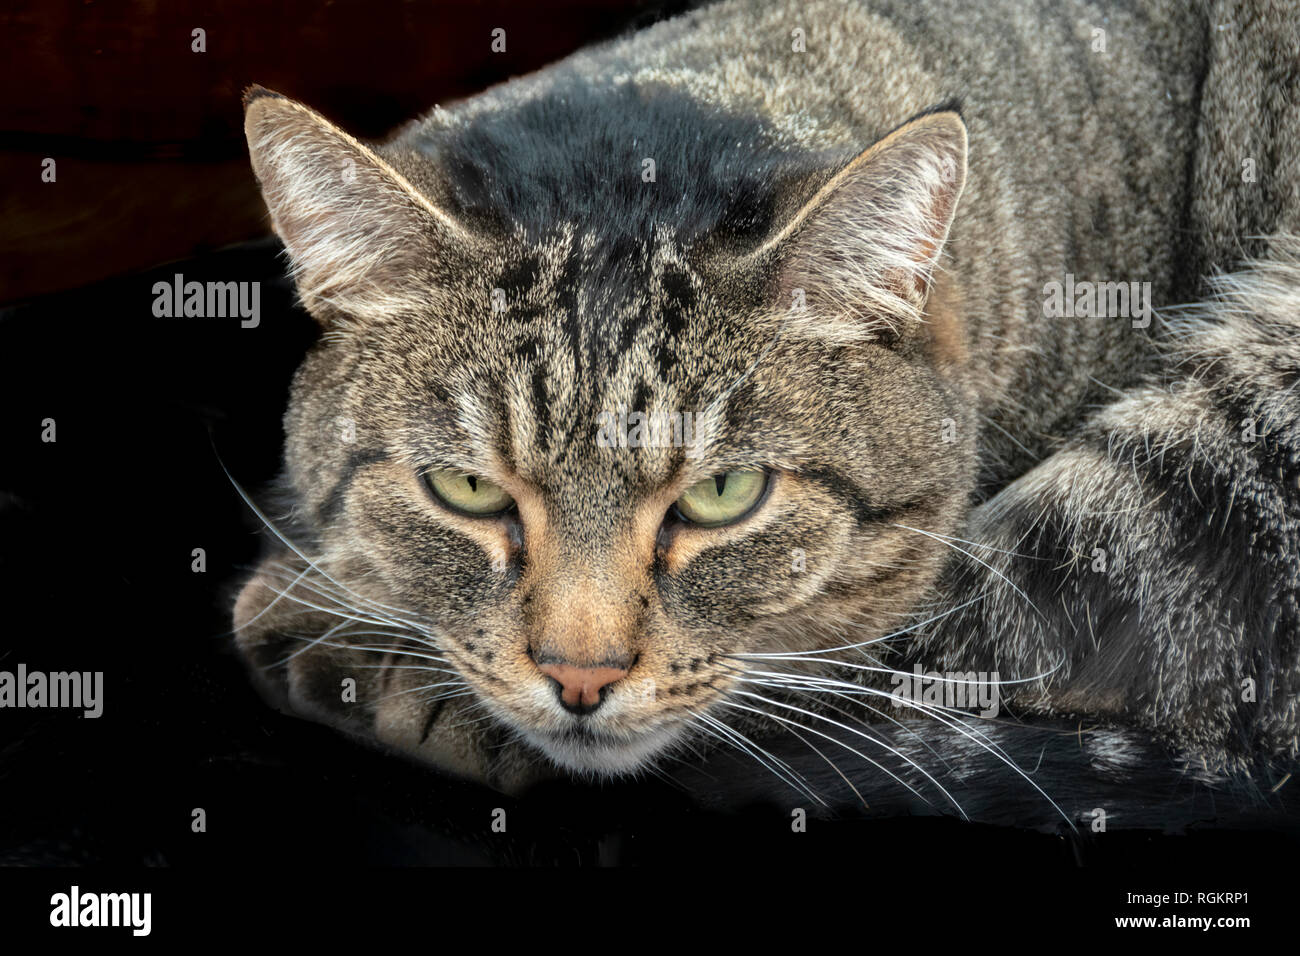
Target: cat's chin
x: 601, y: 755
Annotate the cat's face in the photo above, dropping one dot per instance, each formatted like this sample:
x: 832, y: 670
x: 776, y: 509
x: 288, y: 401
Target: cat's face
x: 565, y: 479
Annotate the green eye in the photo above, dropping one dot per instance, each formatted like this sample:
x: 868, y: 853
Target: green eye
x: 723, y: 498
x: 468, y: 493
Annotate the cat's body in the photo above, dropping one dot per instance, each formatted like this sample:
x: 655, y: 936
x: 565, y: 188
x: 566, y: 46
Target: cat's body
x: 766, y: 216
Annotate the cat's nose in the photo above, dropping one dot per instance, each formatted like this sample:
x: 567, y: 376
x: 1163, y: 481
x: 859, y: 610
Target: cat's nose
x: 581, y: 687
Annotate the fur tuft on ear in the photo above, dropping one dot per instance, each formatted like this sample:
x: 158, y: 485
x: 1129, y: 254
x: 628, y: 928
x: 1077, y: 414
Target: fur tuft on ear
x: 359, y: 236
x: 864, y: 249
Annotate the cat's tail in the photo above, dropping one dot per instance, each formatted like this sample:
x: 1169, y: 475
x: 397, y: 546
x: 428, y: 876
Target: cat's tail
x: 1152, y: 565
x: 1245, y: 339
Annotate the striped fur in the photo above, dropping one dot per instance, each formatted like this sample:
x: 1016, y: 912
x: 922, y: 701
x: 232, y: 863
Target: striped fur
x: 838, y: 268
x: 1152, y: 565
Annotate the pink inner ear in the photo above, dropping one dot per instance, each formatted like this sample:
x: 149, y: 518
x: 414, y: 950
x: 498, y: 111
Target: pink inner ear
x: 353, y: 226
x: 928, y: 249
x: 867, y: 242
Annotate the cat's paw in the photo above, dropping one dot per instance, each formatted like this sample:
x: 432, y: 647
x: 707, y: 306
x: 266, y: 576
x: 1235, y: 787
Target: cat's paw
x: 458, y: 736
x: 391, y: 689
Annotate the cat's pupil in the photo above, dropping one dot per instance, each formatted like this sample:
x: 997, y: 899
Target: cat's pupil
x: 473, y: 483
x: 720, y: 481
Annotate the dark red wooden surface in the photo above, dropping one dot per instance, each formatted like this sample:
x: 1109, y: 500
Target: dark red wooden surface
x: 147, y: 134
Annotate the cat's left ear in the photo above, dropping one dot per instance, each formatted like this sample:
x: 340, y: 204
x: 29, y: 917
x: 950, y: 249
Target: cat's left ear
x: 861, y: 254
x: 362, y: 239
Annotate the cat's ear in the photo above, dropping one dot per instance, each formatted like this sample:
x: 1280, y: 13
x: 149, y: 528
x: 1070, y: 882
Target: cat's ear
x: 360, y: 237
x: 860, y: 256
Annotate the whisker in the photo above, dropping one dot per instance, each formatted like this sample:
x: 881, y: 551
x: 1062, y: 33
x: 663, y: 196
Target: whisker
x: 332, y: 594
x: 406, y: 667
x: 874, y: 640
x: 412, y: 690
x: 272, y: 603
x: 949, y: 717
x: 864, y: 736
x: 372, y: 649
x: 743, y: 743
x: 890, y: 670
x: 301, y: 650
x: 805, y: 691
x: 990, y: 567
x: 252, y: 505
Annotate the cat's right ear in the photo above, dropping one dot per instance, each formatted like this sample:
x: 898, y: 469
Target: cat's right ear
x: 361, y: 238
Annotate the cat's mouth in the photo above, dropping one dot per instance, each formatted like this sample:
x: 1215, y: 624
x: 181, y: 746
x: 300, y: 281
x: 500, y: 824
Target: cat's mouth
x: 583, y: 749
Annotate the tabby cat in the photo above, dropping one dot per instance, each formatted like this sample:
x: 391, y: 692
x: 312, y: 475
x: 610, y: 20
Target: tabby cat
x: 703, y: 388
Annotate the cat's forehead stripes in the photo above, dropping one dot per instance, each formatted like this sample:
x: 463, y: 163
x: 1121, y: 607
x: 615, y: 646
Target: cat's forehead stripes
x: 596, y: 327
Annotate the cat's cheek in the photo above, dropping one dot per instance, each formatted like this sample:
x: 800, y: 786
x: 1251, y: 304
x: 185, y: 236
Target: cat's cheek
x: 767, y: 572
x: 439, y: 564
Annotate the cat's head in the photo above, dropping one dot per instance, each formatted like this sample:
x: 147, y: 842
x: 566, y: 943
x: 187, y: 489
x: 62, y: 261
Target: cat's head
x: 562, y: 469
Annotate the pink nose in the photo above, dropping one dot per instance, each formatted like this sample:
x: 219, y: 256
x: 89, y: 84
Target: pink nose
x: 580, y: 686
